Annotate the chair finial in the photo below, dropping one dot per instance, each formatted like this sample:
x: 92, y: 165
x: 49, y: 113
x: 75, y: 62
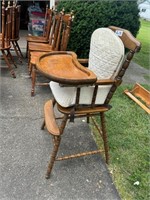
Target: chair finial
x: 72, y: 12
x: 14, y: 3
x: 8, y: 4
x: 63, y: 11
x: 72, y: 15
x: 3, y: 3
x: 55, y: 10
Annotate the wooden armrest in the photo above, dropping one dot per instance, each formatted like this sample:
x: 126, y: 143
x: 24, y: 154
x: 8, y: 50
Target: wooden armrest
x: 50, y: 121
x: 98, y: 82
x: 105, y: 82
x: 83, y: 85
x: 83, y: 61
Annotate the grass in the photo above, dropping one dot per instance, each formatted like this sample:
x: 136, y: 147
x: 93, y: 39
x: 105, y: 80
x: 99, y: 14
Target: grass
x: 143, y: 57
x: 128, y: 134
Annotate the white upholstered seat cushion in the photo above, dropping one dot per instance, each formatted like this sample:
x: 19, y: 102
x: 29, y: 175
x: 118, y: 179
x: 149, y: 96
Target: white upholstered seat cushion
x: 105, y: 58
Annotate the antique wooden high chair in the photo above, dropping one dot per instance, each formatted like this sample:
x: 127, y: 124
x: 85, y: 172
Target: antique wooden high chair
x: 58, y: 41
x: 5, y: 37
x: 85, y: 92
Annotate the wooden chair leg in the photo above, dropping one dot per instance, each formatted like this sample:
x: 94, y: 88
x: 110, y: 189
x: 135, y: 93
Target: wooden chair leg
x: 16, y: 50
x: 56, y: 141
x: 104, y: 134
x: 27, y: 50
x: 33, y: 78
x: 88, y: 119
x: 11, y: 57
x: 20, y: 52
x: 30, y: 67
x: 8, y: 64
x: 28, y: 56
x: 43, y: 125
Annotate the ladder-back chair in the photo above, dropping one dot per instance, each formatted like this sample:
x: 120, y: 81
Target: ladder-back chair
x: 5, y: 37
x: 58, y: 41
x: 86, y: 92
x: 16, y: 29
x: 47, y: 27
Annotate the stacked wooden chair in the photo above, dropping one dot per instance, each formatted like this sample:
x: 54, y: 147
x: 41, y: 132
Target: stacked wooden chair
x: 5, y: 37
x: 16, y: 29
x: 58, y: 41
x: 89, y: 92
x: 46, y: 31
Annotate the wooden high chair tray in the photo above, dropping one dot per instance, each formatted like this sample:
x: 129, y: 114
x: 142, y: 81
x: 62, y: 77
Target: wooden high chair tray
x: 63, y: 67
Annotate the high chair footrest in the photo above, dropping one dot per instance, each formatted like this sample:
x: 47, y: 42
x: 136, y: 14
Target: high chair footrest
x: 50, y: 120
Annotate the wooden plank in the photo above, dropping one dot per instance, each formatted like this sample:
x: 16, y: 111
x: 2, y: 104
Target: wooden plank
x: 142, y: 93
x: 137, y: 101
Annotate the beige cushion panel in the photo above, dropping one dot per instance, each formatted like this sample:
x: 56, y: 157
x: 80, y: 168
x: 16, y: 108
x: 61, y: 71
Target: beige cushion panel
x: 106, y: 53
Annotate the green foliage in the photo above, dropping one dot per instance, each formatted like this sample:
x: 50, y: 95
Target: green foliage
x: 90, y: 15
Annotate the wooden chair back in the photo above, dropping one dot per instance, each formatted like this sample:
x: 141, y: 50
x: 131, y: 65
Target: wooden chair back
x: 5, y: 36
x: 16, y: 21
x: 66, y: 28
x: 45, y: 25
x: 60, y: 31
x: 132, y: 45
x: 48, y: 22
x: 3, y: 24
x: 6, y: 25
x: 129, y: 41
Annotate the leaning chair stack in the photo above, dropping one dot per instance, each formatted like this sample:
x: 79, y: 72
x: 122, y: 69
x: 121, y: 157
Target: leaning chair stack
x: 5, y: 36
x: 58, y: 41
x: 16, y: 30
x: 89, y: 92
x: 46, y: 31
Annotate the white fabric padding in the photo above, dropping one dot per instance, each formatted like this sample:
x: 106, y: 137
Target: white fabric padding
x: 105, y: 58
x: 106, y: 53
x: 66, y: 96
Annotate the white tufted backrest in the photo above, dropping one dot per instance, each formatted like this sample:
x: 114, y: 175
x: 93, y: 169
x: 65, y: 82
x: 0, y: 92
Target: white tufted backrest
x: 106, y: 53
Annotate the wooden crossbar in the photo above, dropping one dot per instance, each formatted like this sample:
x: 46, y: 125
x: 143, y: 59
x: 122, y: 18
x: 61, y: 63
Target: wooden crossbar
x: 142, y: 93
x: 79, y: 155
